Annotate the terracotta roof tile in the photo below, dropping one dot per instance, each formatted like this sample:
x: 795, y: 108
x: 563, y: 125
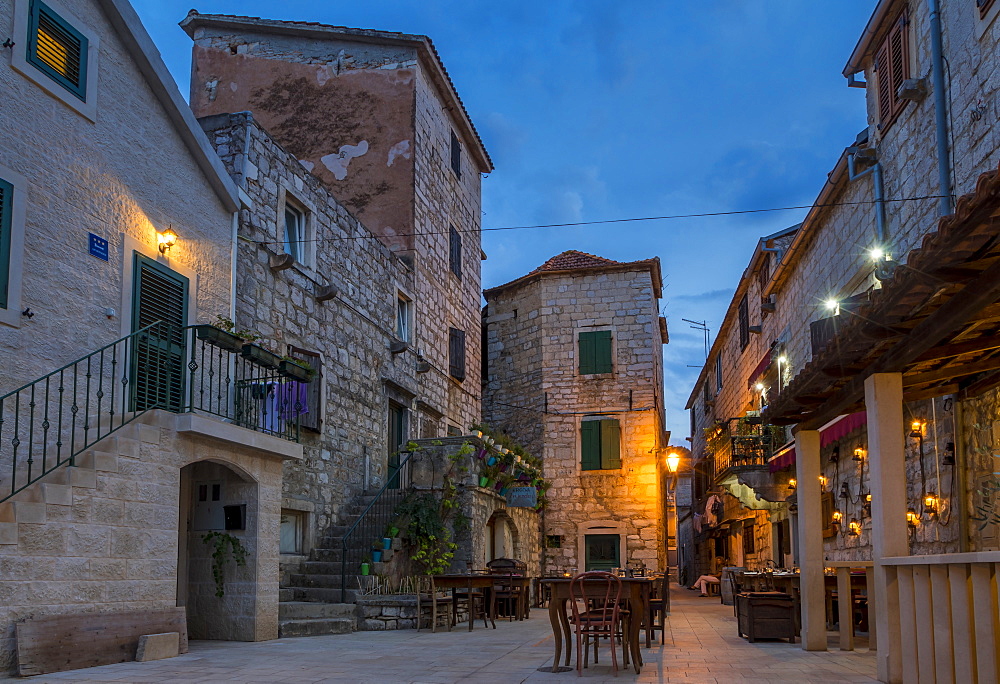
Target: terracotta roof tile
x: 572, y: 259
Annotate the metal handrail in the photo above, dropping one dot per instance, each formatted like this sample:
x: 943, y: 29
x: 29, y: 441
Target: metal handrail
x: 49, y: 422
x: 384, y: 507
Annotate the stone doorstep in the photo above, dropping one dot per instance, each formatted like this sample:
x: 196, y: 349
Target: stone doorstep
x: 315, y: 627
x: 158, y: 646
x: 306, y: 610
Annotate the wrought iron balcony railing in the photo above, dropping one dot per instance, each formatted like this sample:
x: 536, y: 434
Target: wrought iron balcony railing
x: 46, y: 424
x: 742, y: 442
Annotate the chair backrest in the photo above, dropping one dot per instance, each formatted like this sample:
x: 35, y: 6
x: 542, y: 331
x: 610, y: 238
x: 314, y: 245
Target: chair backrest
x: 507, y: 565
x: 598, y: 588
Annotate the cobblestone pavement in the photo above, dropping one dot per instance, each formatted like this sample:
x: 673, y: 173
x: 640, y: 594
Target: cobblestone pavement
x: 702, y: 646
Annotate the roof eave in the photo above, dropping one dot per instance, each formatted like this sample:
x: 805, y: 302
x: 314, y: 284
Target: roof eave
x: 425, y: 49
x: 652, y: 265
x: 857, y: 59
x: 143, y: 51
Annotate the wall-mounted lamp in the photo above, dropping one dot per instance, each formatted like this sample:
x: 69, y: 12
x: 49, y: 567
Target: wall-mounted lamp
x: 835, y: 454
x: 931, y: 503
x: 822, y: 482
x: 833, y: 306
x: 792, y: 482
x: 949, y: 454
x: 867, y: 507
x: 854, y: 527
x: 859, y: 454
x: 917, y: 429
x: 912, y: 518
x: 837, y: 518
x: 167, y: 239
x: 845, y: 491
x: 759, y: 387
x: 673, y: 461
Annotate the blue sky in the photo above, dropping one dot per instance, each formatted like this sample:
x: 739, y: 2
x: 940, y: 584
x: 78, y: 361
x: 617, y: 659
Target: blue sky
x: 596, y: 110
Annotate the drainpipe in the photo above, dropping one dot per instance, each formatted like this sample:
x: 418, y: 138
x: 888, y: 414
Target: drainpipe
x: 876, y: 171
x: 940, y: 113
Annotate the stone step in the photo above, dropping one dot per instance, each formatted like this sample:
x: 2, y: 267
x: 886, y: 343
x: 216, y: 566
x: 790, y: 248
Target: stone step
x: 327, y: 581
x: 299, y: 628
x: 320, y: 568
x: 286, y: 594
x: 324, y: 594
x: 312, y: 610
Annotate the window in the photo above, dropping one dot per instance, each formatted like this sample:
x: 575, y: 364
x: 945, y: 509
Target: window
x: 456, y: 353
x: 6, y: 234
x: 718, y: 373
x: 295, y: 232
x: 984, y: 7
x: 57, y: 49
x: 404, y: 328
x: 600, y: 444
x: 312, y: 417
x: 456, y: 155
x: 744, y: 314
x: 595, y: 352
x: 291, y: 531
x: 892, y: 67
x: 553, y: 541
x: 455, y: 252
x: 748, y: 540
x: 764, y: 272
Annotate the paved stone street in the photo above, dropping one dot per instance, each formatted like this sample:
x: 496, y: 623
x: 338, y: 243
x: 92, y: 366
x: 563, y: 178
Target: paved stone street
x: 702, y: 646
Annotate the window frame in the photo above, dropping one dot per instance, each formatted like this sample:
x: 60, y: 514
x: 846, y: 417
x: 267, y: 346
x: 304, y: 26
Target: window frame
x: 456, y: 155
x: 887, y: 81
x: 85, y: 106
x: 718, y: 373
x: 454, y: 251
x: 594, y: 344
x: 743, y: 314
x: 603, y: 434
x: 296, y: 248
x: 6, y: 237
x: 36, y: 9
x: 404, y: 323
x: 299, y: 532
x: 984, y: 7
x: 456, y: 353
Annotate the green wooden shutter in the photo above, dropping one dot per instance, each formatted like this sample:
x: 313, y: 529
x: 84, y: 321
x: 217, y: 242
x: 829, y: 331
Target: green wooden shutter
x: 590, y: 445
x: 587, y: 349
x: 6, y: 227
x: 610, y: 444
x: 602, y: 352
x: 57, y: 49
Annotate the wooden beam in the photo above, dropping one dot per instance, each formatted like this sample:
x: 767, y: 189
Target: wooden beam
x: 931, y: 392
x: 982, y: 385
x: 951, y: 372
x: 958, y: 348
x: 927, y: 334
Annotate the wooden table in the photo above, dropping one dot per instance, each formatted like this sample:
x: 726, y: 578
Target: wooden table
x: 485, y: 582
x: 635, y: 589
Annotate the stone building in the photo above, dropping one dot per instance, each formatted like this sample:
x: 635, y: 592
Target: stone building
x: 831, y: 333
x: 102, y: 458
x: 574, y: 373
x: 359, y: 253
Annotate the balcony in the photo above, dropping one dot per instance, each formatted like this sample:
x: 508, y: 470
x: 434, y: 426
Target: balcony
x: 741, y: 448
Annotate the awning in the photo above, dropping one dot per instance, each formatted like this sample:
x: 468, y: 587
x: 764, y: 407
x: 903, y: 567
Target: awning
x: 782, y: 459
x: 764, y: 364
x: 840, y: 428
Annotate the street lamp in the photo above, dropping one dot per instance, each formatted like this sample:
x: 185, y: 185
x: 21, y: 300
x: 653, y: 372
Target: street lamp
x: 673, y: 461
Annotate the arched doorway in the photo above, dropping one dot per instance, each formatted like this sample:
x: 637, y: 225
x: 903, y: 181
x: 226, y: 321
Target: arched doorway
x: 218, y: 504
x: 501, y: 537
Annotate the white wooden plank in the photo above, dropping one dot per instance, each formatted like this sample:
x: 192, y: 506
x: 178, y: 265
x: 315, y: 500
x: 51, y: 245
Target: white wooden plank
x: 962, y: 635
x: 944, y: 661
x: 907, y: 625
x: 984, y: 607
x: 812, y: 583
x: 872, y: 609
x: 924, y: 618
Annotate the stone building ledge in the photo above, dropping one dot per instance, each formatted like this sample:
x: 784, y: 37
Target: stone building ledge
x: 211, y: 428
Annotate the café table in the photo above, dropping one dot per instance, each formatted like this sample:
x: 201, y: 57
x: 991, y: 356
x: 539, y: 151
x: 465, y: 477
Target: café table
x: 470, y: 582
x: 635, y: 589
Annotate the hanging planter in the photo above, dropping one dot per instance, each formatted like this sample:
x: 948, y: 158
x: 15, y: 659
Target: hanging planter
x: 491, y: 461
x: 498, y: 486
x: 484, y: 481
x: 260, y: 356
x: 481, y: 454
x: 219, y: 338
x: 504, y: 490
x: 295, y: 370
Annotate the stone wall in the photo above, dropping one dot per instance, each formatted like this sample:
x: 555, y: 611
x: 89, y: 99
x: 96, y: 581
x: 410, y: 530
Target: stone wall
x: 124, y: 176
x: 112, y: 533
x: 532, y: 329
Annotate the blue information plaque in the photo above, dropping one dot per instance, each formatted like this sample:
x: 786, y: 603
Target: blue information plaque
x: 522, y: 497
x: 98, y: 247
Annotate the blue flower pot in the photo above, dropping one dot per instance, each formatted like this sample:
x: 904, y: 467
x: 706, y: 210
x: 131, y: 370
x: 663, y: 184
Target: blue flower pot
x: 376, y: 556
x: 492, y: 460
x: 386, y: 543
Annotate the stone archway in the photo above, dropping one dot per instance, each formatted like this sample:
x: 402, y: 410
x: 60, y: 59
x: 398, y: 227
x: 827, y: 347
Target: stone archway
x: 218, y: 497
x: 502, y: 538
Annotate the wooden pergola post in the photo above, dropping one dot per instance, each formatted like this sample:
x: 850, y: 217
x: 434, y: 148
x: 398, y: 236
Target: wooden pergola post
x: 887, y: 468
x: 812, y: 587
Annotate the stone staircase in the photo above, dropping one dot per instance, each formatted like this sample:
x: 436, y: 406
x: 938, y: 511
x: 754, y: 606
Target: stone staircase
x: 310, y: 604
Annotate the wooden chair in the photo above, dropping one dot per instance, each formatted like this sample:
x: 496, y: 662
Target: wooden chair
x: 429, y: 597
x: 659, y: 605
x: 594, y: 599
x: 475, y: 603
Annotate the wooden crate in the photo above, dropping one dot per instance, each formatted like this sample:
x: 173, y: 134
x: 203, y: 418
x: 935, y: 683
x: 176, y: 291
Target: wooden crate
x: 767, y: 615
x: 68, y: 642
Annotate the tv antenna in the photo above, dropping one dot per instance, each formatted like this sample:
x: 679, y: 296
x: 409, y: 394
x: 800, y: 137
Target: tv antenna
x: 703, y: 327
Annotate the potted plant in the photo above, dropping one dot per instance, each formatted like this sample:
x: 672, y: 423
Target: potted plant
x: 393, y: 531
x: 296, y: 369
x: 377, y: 556
x: 386, y: 543
x: 365, y: 568
x: 223, y: 334
x: 484, y: 481
x: 260, y: 356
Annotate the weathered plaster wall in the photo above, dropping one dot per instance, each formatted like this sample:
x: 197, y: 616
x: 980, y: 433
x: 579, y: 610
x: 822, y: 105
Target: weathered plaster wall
x: 105, y: 536
x: 533, y: 350
x: 123, y: 177
x: 344, y: 109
